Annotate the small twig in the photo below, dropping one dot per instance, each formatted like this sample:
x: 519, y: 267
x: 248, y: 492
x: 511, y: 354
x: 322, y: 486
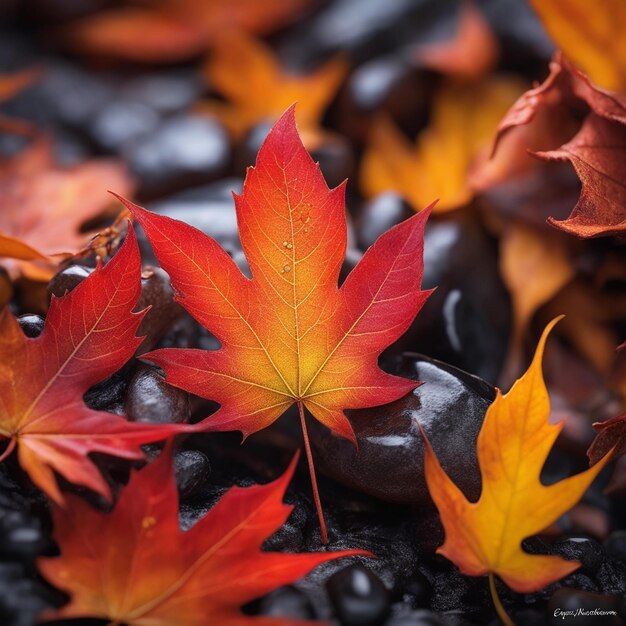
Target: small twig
x: 8, y: 449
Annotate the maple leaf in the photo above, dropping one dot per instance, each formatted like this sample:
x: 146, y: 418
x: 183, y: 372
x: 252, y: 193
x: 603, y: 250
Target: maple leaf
x: 594, y: 151
x: 484, y: 537
x: 246, y: 72
x: 590, y: 35
x: 43, y: 208
x: 289, y: 335
x: 173, y: 30
x: 534, y: 265
x: 135, y: 566
x: 463, y: 122
x: 88, y: 335
x: 473, y: 51
x: 611, y: 438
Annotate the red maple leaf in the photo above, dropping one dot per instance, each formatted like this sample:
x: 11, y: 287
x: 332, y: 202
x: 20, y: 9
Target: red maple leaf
x: 289, y: 335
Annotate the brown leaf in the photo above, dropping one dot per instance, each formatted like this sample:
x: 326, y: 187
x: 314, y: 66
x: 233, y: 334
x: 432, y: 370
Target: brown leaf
x: 611, y: 433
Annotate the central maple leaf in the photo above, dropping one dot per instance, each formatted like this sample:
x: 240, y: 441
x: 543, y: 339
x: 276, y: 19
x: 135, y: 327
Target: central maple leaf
x: 290, y: 334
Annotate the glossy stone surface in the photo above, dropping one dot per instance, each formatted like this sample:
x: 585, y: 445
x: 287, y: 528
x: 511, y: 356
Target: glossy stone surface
x: 287, y: 602
x: 192, y: 469
x: 450, y: 405
x: 185, y: 150
x: 358, y: 596
x: 151, y: 400
x: 378, y: 216
x: 455, y: 325
x: 64, y: 281
x: 416, y: 618
x: 32, y: 325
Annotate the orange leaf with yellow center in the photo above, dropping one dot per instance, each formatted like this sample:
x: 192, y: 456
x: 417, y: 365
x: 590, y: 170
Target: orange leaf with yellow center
x: 43, y: 207
x: 246, y: 72
x: 591, y: 34
x: 485, y: 537
x: 290, y: 334
x: 464, y: 121
x: 135, y: 566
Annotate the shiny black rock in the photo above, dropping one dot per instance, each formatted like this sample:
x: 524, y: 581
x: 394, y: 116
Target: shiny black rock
x: 450, y: 405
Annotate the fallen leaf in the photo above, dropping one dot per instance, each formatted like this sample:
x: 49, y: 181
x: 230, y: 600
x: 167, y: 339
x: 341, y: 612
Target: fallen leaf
x: 590, y: 35
x: 137, y: 567
x: 463, y: 123
x: 289, y: 335
x: 611, y: 438
x: 485, y: 537
x: 598, y: 154
x: 534, y: 265
x: 88, y: 335
x: 174, y: 30
x: 246, y: 72
x: 542, y: 119
x: 43, y: 207
x: 471, y: 54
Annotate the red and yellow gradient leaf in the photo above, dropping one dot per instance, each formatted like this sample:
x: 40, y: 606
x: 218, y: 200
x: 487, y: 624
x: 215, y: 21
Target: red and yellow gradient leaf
x: 88, y: 335
x: 289, y: 334
x: 485, y: 537
x: 135, y: 566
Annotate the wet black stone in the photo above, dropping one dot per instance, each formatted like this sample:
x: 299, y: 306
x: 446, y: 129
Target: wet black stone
x: 575, y: 600
x: 192, y: 469
x: 64, y: 281
x: 210, y: 208
x: 529, y: 617
x: 108, y: 395
x: 156, y: 293
x: 151, y: 400
x: 454, y: 325
x: 615, y: 545
x: 185, y: 150
x: 21, y: 535
x: 416, y: 618
x: 580, y: 548
x: 378, y: 216
x: 165, y: 93
x: 32, y: 325
x: 22, y: 598
x: 450, y: 406
x: 121, y: 122
x: 416, y: 591
x: 287, y: 602
x: 359, y: 598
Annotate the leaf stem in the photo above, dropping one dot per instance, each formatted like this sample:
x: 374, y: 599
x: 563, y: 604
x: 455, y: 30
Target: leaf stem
x: 502, y: 614
x: 309, y: 457
x: 10, y: 447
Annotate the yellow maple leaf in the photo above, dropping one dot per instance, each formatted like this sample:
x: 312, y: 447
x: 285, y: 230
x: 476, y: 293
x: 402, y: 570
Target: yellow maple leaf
x: 591, y: 34
x: 485, y: 537
x: 463, y: 123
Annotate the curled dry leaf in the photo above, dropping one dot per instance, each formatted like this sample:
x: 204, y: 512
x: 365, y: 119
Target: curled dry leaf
x: 586, y: 125
x: 471, y: 54
x: 611, y: 437
x: 289, y: 335
x: 484, y: 537
x: 173, y: 30
x: 44, y: 206
x: 463, y: 122
x: 246, y: 72
x: 135, y: 565
x: 591, y: 35
x: 88, y: 335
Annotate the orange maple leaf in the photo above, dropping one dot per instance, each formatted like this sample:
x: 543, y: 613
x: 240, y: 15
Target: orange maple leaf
x: 246, y: 72
x: 135, y: 566
x: 173, y: 30
x: 591, y: 35
x: 463, y: 123
x: 88, y: 335
x: 43, y: 207
x: 289, y: 335
x: 485, y: 537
